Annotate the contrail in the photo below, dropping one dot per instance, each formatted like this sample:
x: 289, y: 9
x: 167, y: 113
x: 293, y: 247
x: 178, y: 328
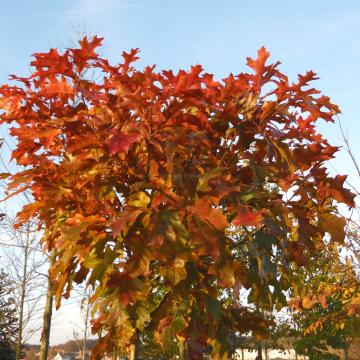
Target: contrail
x: 67, y: 12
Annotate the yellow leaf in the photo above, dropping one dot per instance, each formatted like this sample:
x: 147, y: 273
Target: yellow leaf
x: 177, y: 272
x: 139, y: 199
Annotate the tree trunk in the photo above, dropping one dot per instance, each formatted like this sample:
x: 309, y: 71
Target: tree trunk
x: 258, y: 343
x: 114, y: 357
x: 182, y: 348
x: 87, y: 310
x: 45, y: 336
x: 132, y: 352
x: 134, y: 348
x: 22, y: 298
x: 346, y: 352
x: 242, y: 354
x: 259, y: 350
x: 266, y: 353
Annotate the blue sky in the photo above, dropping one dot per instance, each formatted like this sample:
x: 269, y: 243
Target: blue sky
x: 322, y: 35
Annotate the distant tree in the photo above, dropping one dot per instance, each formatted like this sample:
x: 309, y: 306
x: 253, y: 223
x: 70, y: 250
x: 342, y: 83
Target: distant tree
x: 238, y: 342
x: 315, y: 345
x: 32, y: 353
x: 22, y: 254
x: 8, y: 320
x: 81, y: 331
x: 149, y: 349
x: 26, y: 261
x: 318, y: 331
x: 326, y: 317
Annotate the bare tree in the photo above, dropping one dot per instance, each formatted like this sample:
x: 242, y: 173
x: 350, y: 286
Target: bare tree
x: 21, y: 251
x: 8, y: 321
x: 85, y: 307
x: 23, y: 256
x: 353, y: 225
x: 84, y: 328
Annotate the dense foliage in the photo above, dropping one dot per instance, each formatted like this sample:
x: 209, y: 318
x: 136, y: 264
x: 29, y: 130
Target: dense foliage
x: 326, y: 318
x: 169, y: 192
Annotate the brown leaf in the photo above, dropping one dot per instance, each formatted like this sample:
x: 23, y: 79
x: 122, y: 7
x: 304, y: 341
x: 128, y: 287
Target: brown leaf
x: 334, y: 225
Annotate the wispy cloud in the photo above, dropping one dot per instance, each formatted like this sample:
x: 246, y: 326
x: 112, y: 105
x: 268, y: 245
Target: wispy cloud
x: 68, y: 12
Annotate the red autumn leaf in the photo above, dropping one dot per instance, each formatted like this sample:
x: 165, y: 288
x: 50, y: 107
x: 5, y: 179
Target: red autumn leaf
x: 258, y: 64
x: 52, y: 61
x: 207, y: 239
x: 58, y: 87
x: 88, y: 47
x: 296, y: 253
x: 86, y: 52
x: 259, y: 67
x: 246, y: 217
x: 131, y: 56
x: 120, y: 142
x: 334, y: 188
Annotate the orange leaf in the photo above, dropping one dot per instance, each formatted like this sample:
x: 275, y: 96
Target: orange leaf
x: 307, y: 302
x: 246, y: 217
x: 213, y: 216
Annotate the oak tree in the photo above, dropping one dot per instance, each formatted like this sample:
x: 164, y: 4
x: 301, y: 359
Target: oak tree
x: 165, y: 191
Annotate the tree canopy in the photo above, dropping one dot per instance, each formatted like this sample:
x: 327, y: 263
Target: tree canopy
x: 168, y: 192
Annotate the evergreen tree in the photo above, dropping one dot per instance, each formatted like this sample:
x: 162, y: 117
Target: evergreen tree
x: 8, y: 320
